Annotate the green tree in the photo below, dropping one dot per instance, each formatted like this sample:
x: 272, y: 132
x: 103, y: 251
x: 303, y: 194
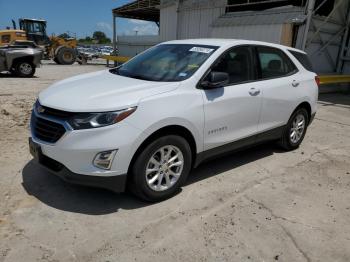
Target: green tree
x: 101, y: 37
x: 87, y: 40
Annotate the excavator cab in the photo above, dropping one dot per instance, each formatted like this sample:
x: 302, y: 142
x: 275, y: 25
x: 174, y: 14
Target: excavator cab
x: 36, y: 30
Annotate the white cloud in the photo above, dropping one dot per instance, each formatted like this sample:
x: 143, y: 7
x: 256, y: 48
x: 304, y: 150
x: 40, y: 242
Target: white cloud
x: 131, y: 27
x: 141, y: 28
x: 146, y: 29
x: 104, y: 26
x: 138, y: 22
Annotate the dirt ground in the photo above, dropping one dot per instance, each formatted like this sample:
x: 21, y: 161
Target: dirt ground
x: 261, y: 204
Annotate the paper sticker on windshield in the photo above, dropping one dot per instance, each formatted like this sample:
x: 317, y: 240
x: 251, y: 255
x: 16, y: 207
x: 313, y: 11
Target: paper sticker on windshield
x: 182, y: 74
x: 201, y: 50
x: 192, y: 66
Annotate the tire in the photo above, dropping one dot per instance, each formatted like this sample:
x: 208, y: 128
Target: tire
x: 24, y: 69
x: 56, y: 61
x: 160, y: 189
x: 66, y: 56
x: 288, y: 140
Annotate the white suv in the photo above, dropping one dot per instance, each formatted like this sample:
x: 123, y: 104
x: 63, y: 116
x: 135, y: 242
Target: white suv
x: 147, y: 123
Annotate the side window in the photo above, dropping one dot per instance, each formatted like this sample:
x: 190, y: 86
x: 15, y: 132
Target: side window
x: 274, y: 63
x: 237, y: 63
x: 5, y: 38
x: 303, y: 59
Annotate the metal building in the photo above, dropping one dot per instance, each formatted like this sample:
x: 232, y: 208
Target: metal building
x: 320, y: 27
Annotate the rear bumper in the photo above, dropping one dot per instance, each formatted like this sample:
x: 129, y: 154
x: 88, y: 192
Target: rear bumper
x: 312, y: 118
x: 114, y: 183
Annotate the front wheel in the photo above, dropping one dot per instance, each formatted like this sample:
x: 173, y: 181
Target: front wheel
x: 295, y: 130
x: 24, y: 69
x: 161, y: 168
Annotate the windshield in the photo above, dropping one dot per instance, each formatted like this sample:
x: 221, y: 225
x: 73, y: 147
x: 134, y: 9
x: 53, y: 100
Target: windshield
x: 169, y: 62
x: 34, y: 27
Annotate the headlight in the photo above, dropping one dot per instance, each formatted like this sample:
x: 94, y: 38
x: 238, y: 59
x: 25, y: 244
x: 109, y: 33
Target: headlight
x: 94, y: 120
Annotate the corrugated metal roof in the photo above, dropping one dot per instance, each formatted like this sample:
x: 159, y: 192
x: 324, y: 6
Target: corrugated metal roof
x: 271, y: 16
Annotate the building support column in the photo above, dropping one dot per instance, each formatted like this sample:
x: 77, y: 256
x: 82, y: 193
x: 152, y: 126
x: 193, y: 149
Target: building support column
x: 310, y: 10
x: 344, y: 45
x: 114, y: 35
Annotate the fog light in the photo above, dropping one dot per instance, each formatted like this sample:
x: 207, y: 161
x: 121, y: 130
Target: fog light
x: 104, y: 159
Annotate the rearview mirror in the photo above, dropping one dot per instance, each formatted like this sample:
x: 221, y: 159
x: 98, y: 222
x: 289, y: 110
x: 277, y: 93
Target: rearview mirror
x: 215, y: 80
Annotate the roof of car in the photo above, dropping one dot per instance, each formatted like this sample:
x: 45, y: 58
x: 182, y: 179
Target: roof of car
x: 227, y: 42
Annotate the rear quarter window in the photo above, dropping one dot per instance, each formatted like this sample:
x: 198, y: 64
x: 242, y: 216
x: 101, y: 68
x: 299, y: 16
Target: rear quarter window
x: 303, y: 59
x: 274, y: 62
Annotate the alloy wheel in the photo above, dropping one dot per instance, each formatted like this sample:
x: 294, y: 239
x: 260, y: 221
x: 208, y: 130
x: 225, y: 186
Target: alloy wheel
x: 164, y: 168
x: 297, y: 128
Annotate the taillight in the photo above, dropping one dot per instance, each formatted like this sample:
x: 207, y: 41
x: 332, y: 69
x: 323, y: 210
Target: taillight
x: 317, y: 80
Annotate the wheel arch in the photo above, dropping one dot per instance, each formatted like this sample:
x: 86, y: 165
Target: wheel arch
x: 305, y: 105
x: 22, y: 58
x: 178, y: 130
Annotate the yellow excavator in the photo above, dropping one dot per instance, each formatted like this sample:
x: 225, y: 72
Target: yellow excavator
x: 33, y: 31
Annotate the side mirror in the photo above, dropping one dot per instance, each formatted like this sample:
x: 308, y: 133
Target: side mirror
x: 215, y: 80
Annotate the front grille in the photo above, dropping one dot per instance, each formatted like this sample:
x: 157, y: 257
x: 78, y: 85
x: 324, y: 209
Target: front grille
x: 45, y: 130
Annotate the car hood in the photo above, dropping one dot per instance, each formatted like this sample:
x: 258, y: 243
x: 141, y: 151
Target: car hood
x: 100, y: 91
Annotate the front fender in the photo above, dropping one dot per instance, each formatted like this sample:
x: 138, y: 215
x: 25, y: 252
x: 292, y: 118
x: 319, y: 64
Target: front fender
x: 175, y: 121
x: 22, y: 53
x: 181, y: 107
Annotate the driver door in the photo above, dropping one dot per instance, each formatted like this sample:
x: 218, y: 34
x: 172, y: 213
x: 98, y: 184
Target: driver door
x: 232, y: 111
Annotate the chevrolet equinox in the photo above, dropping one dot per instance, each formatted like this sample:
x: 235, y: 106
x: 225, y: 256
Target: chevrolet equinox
x: 145, y: 124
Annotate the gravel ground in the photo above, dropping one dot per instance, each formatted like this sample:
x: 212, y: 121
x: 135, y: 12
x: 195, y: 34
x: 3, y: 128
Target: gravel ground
x: 261, y: 204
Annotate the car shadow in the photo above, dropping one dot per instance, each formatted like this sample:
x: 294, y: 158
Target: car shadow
x: 213, y: 94
x: 335, y: 99
x: 231, y: 161
x: 58, y: 194
x: 54, y: 192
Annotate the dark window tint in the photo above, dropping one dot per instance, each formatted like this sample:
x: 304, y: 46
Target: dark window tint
x: 303, y: 59
x: 5, y: 38
x: 274, y: 63
x: 237, y: 63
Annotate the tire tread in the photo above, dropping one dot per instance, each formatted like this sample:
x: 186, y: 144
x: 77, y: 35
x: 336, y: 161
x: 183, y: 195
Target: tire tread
x: 136, y: 185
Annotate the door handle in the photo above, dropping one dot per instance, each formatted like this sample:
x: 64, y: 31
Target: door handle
x: 254, y: 92
x: 295, y: 83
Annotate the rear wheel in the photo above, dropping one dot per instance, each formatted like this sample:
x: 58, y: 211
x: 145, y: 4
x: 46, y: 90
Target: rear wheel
x: 24, y: 69
x: 295, y: 130
x: 66, y: 56
x: 161, y: 168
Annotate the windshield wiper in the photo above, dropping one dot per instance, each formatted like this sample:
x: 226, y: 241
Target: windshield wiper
x: 141, y: 77
x: 125, y: 73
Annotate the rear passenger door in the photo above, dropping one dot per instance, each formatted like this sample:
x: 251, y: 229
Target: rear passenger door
x: 278, y: 83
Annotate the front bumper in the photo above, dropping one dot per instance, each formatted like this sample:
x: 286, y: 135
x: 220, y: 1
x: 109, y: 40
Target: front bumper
x: 114, y: 183
x: 77, y: 149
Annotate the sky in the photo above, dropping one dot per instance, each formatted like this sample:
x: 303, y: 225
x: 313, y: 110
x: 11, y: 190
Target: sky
x: 80, y: 17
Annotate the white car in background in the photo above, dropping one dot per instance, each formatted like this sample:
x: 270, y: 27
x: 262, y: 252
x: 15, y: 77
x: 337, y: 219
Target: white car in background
x: 105, y: 51
x: 147, y: 123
